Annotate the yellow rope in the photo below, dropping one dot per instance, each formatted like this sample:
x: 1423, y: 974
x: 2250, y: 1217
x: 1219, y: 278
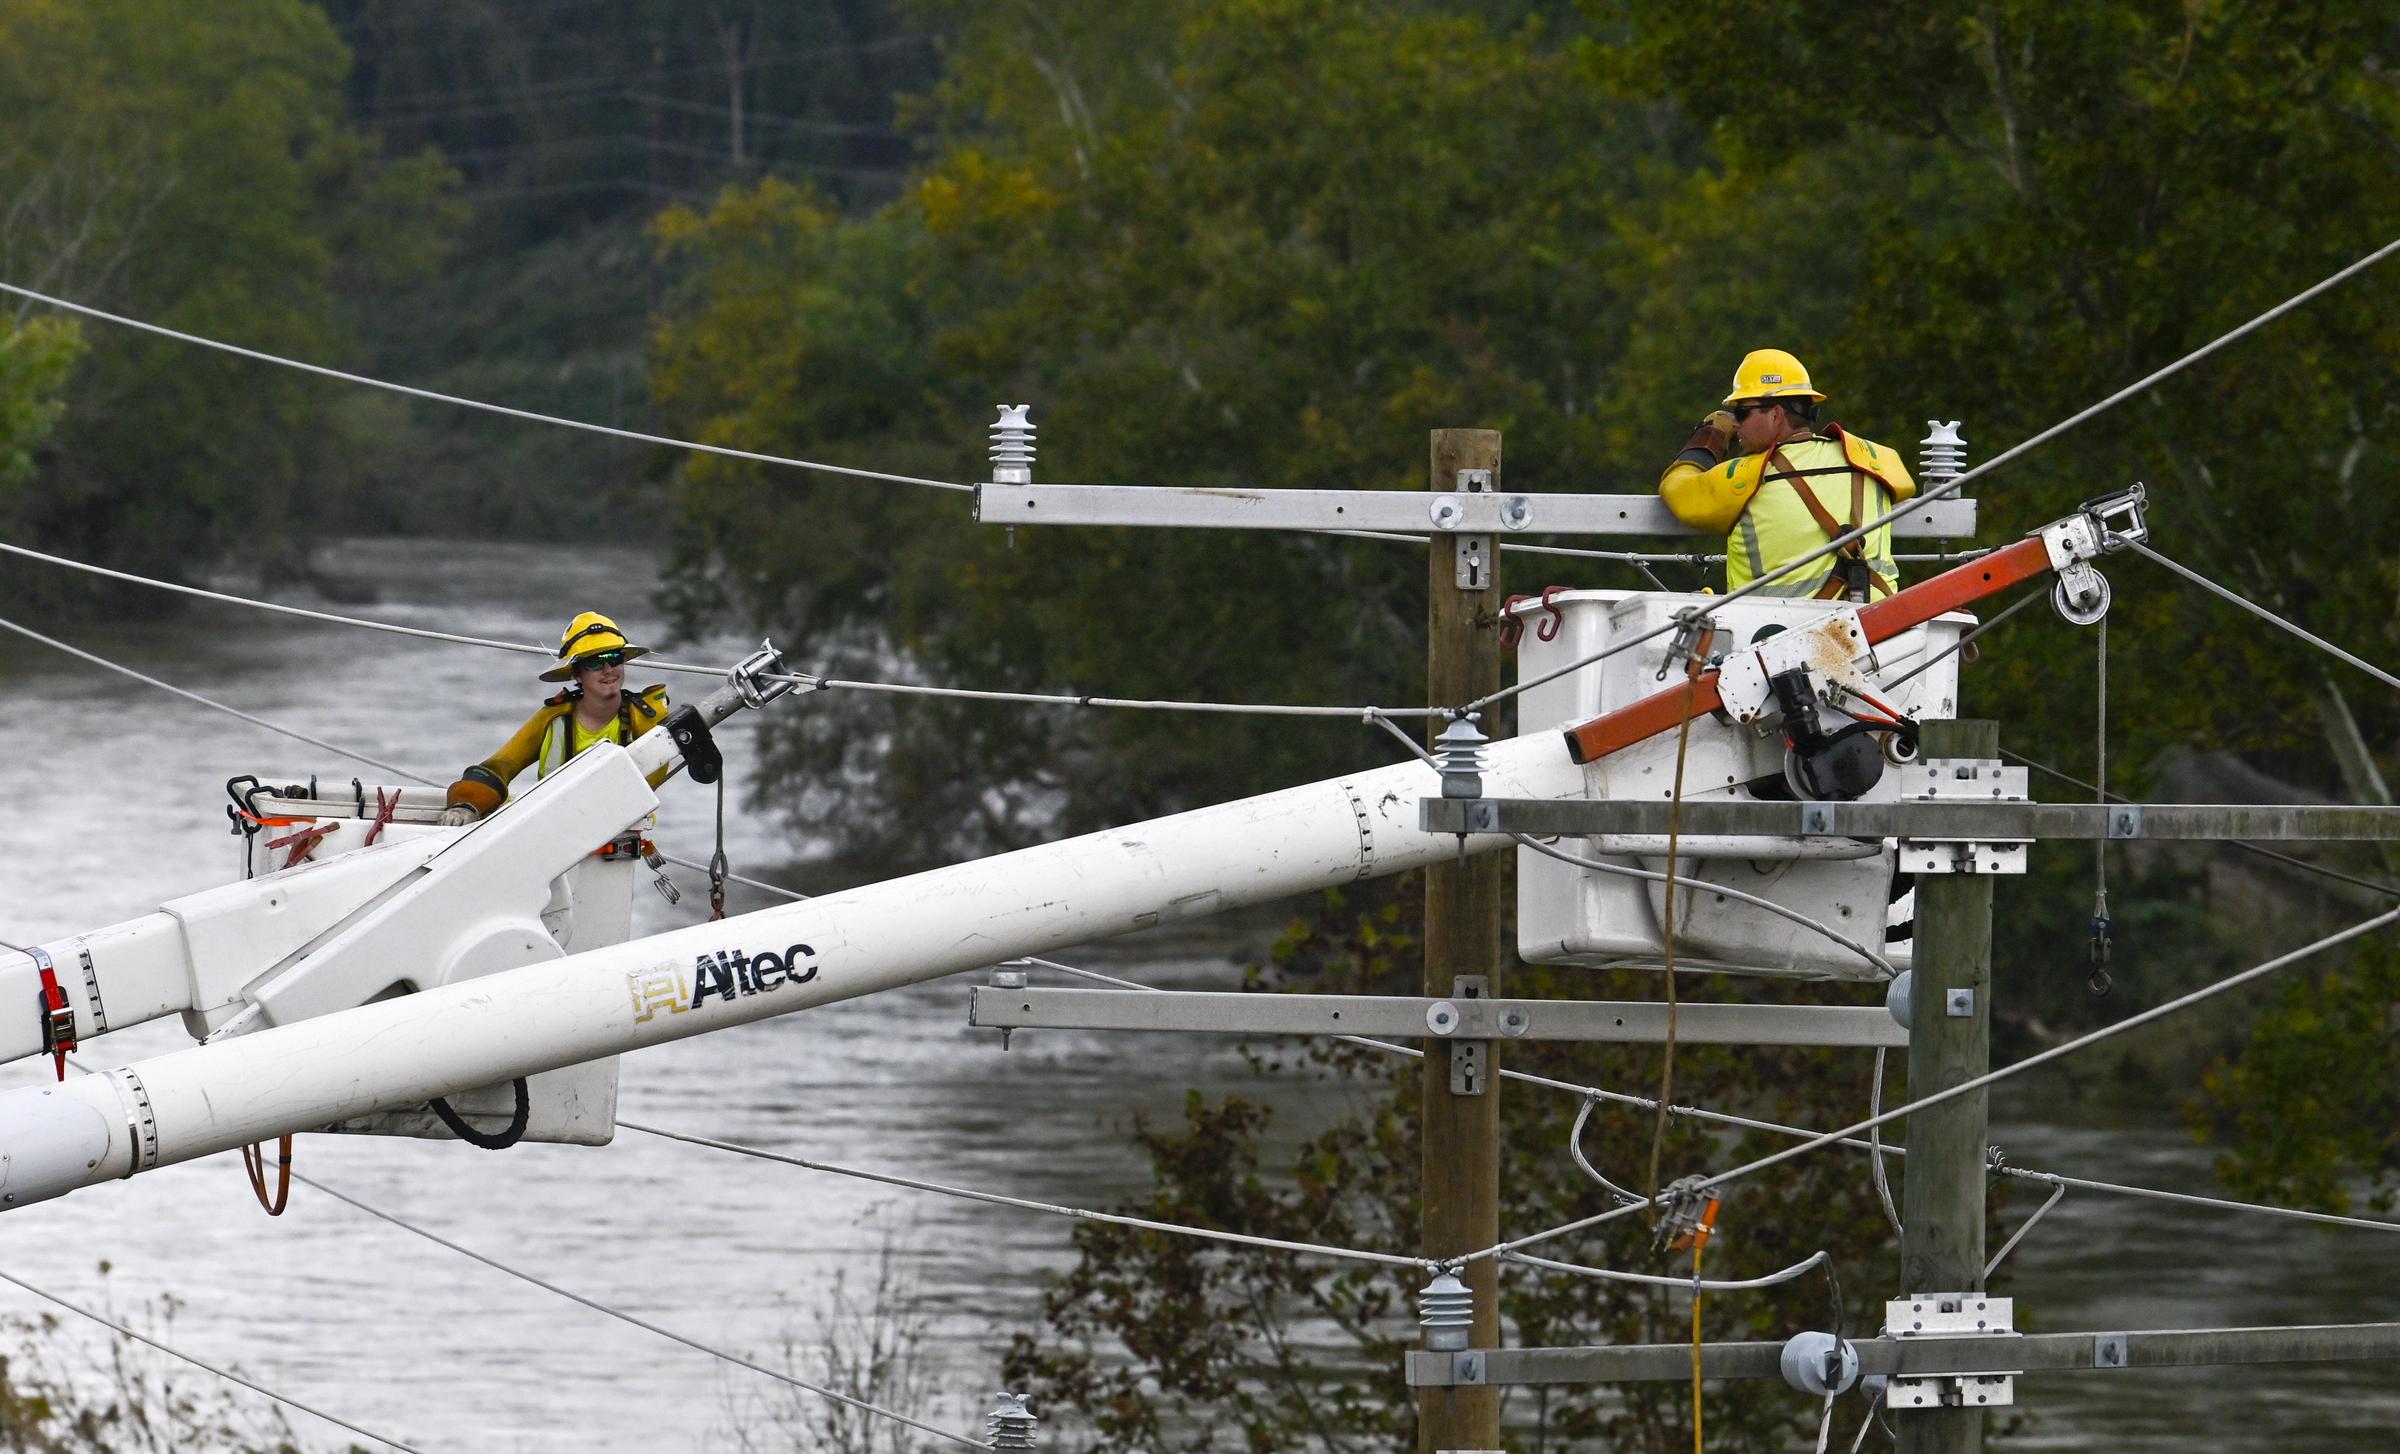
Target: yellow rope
x: 1666, y: 1071
x: 1698, y: 1243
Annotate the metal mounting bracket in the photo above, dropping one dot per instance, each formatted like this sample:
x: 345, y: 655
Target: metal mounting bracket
x: 1962, y: 780
x: 1470, y: 1060
x: 1935, y: 1315
x: 1474, y: 571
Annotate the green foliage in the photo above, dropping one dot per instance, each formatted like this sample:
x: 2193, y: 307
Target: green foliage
x: 2310, y: 1106
x: 1167, y: 1343
x: 36, y: 356
x: 1219, y: 244
x: 1271, y: 242
x: 128, y: 1399
x: 188, y: 165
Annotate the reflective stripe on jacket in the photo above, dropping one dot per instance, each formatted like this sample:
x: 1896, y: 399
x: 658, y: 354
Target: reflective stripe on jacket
x: 543, y: 741
x: 1766, y: 523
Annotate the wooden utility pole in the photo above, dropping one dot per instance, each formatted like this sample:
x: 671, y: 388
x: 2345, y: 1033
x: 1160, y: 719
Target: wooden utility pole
x: 1949, y: 1042
x: 1461, y: 1121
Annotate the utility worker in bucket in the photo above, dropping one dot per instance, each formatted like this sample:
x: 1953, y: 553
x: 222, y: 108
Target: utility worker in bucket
x: 1780, y: 483
x: 595, y: 707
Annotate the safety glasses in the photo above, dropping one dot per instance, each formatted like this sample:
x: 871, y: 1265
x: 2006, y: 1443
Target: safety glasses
x: 599, y: 660
x: 1744, y: 411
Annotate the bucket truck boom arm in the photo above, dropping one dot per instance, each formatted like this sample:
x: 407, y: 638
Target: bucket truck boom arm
x: 2067, y: 546
x: 414, y: 910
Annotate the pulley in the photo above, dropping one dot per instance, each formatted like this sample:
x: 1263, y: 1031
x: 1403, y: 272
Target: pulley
x: 2080, y: 594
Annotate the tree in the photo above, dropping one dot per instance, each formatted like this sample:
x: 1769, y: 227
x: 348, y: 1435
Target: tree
x: 36, y: 356
x: 190, y: 167
x: 1226, y: 244
x: 1165, y: 1343
x: 2047, y: 203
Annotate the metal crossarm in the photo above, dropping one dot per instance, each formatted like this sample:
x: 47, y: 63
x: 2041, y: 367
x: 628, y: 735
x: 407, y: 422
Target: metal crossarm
x: 2029, y: 1353
x: 1413, y: 512
x: 1622, y: 1022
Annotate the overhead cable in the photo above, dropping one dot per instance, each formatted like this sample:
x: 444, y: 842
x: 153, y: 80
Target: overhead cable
x: 1065, y: 699
x: 1965, y: 640
x: 227, y: 1374
x: 1273, y: 1244
x: 1783, y: 911
x: 2288, y: 860
x: 802, y: 680
x: 305, y: 613
x: 1965, y: 1087
x: 530, y: 416
x: 642, y: 1323
x: 2263, y: 614
x: 2057, y: 1194
x: 1954, y: 484
x: 1869, y: 1144
x: 1649, y: 1279
x: 318, y: 742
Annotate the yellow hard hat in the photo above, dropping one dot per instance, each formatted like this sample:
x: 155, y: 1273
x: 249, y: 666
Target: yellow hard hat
x: 586, y: 635
x: 1770, y: 373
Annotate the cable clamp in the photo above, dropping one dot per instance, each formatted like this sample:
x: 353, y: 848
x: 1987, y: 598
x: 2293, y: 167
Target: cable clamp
x: 1688, y: 1215
x: 1695, y: 631
x: 760, y: 677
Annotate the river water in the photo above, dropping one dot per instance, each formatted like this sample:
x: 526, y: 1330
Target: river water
x: 116, y: 795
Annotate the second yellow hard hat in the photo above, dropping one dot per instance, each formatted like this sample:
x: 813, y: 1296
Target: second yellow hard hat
x: 587, y: 634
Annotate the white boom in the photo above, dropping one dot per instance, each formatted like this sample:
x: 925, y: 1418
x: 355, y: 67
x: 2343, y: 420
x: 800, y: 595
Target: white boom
x: 402, y: 1051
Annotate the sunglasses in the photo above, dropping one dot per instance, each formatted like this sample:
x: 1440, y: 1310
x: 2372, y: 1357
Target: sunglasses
x: 600, y: 660
x: 1744, y: 411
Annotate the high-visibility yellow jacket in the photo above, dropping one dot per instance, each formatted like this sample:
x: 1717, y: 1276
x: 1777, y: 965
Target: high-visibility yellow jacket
x: 549, y: 736
x: 1757, y: 504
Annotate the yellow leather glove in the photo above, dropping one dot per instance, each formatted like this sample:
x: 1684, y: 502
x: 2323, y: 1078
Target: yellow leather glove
x: 1713, y: 439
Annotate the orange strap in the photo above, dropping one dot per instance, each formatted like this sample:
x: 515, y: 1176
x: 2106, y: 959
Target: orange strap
x: 1856, y: 549
x: 254, y: 1162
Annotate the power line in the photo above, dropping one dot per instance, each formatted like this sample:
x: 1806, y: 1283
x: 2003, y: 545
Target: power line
x: 1650, y: 1279
x: 434, y: 396
x: 227, y: 1374
x: 1084, y: 1214
x: 307, y: 614
x: 1138, y: 704
x: 2288, y: 860
x: 1721, y: 890
x: 100, y: 661
x: 2266, y: 615
x: 2081, y: 1042
x: 642, y: 1323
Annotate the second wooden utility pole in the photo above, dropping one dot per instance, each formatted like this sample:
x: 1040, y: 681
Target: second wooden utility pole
x: 1461, y: 1103
x: 1949, y: 1043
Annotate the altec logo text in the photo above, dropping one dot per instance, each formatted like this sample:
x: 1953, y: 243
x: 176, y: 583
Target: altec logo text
x: 727, y: 974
